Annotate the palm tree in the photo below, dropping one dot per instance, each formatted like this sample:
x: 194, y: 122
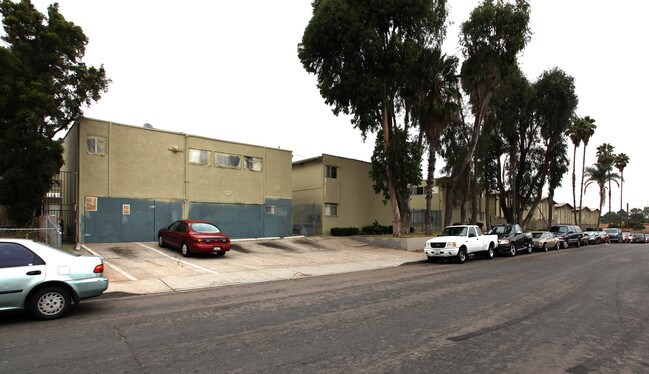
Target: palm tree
x: 621, y: 161
x: 437, y: 107
x: 598, y: 174
x: 606, y: 157
x: 574, y: 133
x: 587, y: 130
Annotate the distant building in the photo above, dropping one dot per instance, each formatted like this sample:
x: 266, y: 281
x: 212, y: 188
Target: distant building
x: 131, y: 181
x: 331, y: 191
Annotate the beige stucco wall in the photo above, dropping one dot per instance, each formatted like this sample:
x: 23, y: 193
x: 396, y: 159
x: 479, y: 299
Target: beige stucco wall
x: 153, y: 164
x: 358, y: 205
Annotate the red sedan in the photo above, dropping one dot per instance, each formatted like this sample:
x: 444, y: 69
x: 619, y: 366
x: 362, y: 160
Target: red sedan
x: 194, y: 236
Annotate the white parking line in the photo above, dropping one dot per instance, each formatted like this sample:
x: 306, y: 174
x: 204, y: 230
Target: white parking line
x: 179, y: 260
x: 127, y: 275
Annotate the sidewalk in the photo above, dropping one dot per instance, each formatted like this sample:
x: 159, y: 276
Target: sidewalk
x: 142, y: 268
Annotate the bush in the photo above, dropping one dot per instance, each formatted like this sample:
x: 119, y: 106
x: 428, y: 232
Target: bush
x: 344, y: 231
x: 376, y: 229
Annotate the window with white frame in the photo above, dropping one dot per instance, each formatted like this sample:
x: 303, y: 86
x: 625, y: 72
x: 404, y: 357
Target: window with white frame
x: 254, y: 163
x: 331, y: 210
x: 271, y: 209
x: 96, y: 145
x: 331, y: 171
x: 199, y: 157
x: 226, y: 160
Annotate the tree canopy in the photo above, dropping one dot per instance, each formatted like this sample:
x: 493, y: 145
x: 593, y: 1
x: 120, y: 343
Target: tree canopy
x: 370, y: 60
x: 44, y: 87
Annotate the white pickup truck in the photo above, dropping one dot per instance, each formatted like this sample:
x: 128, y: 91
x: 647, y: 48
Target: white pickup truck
x: 458, y: 242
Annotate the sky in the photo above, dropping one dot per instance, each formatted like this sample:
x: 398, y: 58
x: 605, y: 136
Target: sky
x: 229, y: 70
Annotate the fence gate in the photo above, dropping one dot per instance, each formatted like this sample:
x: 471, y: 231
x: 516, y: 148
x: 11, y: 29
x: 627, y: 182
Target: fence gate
x: 307, y: 219
x: 61, y: 203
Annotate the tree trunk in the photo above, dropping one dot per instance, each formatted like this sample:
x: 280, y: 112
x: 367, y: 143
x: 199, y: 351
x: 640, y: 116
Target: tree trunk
x: 394, y: 205
x: 550, y: 209
x: 487, y: 208
x: 581, y: 190
x: 428, y: 215
x: 574, y: 181
x: 621, y: 188
x: 473, y: 143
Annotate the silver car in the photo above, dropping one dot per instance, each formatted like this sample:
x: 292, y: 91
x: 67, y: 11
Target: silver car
x: 44, y: 280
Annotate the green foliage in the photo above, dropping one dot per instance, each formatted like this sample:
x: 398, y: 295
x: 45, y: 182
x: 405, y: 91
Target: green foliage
x: 405, y: 155
x: 344, y: 231
x: 43, y: 87
x: 376, y: 229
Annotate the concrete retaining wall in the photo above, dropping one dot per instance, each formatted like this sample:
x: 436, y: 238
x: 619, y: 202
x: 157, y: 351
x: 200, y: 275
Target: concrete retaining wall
x: 405, y: 244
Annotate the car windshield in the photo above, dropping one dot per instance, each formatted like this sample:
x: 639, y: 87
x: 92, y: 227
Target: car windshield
x: 205, y: 228
x: 501, y: 230
x: 537, y: 235
x: 559, y: 229
x: 454, y: 231
x: 610, y: 231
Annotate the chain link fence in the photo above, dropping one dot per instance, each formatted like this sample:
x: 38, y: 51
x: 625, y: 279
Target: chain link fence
x: 47, y: 232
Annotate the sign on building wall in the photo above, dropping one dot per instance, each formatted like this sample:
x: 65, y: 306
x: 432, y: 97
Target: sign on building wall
x: 91, y: 204
x: 126, y: 209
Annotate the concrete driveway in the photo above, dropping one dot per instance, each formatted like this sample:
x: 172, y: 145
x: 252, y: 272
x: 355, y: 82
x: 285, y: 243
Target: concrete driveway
x: 141, y: 268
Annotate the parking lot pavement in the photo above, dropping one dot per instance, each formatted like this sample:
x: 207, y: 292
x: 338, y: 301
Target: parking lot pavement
x: 140, y: 268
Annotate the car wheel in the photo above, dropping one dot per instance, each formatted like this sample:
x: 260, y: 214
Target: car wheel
x: 50, y: 303
x: 161, y: 242
x: 557, y: 246
x: 545, y: 247
x: 512, y: 250
x: 185, y: 250
x: 578, y: 243
x: 529, y: 248
x: 461, y: 256
x: 490, y: 252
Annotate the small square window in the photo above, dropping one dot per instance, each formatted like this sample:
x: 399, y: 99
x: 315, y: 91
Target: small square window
x: 331, y: 210
x: 331, y: 171
x: 199, y: 157
x: 254, y: 163
x: 96, y: 145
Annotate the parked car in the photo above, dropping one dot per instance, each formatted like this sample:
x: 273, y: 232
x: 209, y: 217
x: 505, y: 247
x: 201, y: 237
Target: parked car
x: 605, y: 237
x: 194, y: 236
x: 594, y: 237
x: 639, y: 237
x: 544, y: 240
x: 511, y: 239
x: 627, y: 237
x: 569, y: 235
x: 614, y: 235
x: 646, y: 238
x: 44, y: 280
x: 458, y: 241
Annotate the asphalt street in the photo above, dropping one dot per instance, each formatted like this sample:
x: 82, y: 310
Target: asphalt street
x: 578, y: 310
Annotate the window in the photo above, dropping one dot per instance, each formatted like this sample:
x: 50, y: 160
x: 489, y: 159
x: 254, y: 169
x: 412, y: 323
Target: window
x: 331, y: 210
x: 254, y: 163
x: 419, y: 190
x: 271, y: 209
x: 199, y: 157
x: 96, y: 145
x: 331, y: 172
x: 228, y: 161
x: 15, y: 255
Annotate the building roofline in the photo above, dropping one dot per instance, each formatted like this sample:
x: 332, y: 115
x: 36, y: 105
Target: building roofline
x: 174, y: 133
